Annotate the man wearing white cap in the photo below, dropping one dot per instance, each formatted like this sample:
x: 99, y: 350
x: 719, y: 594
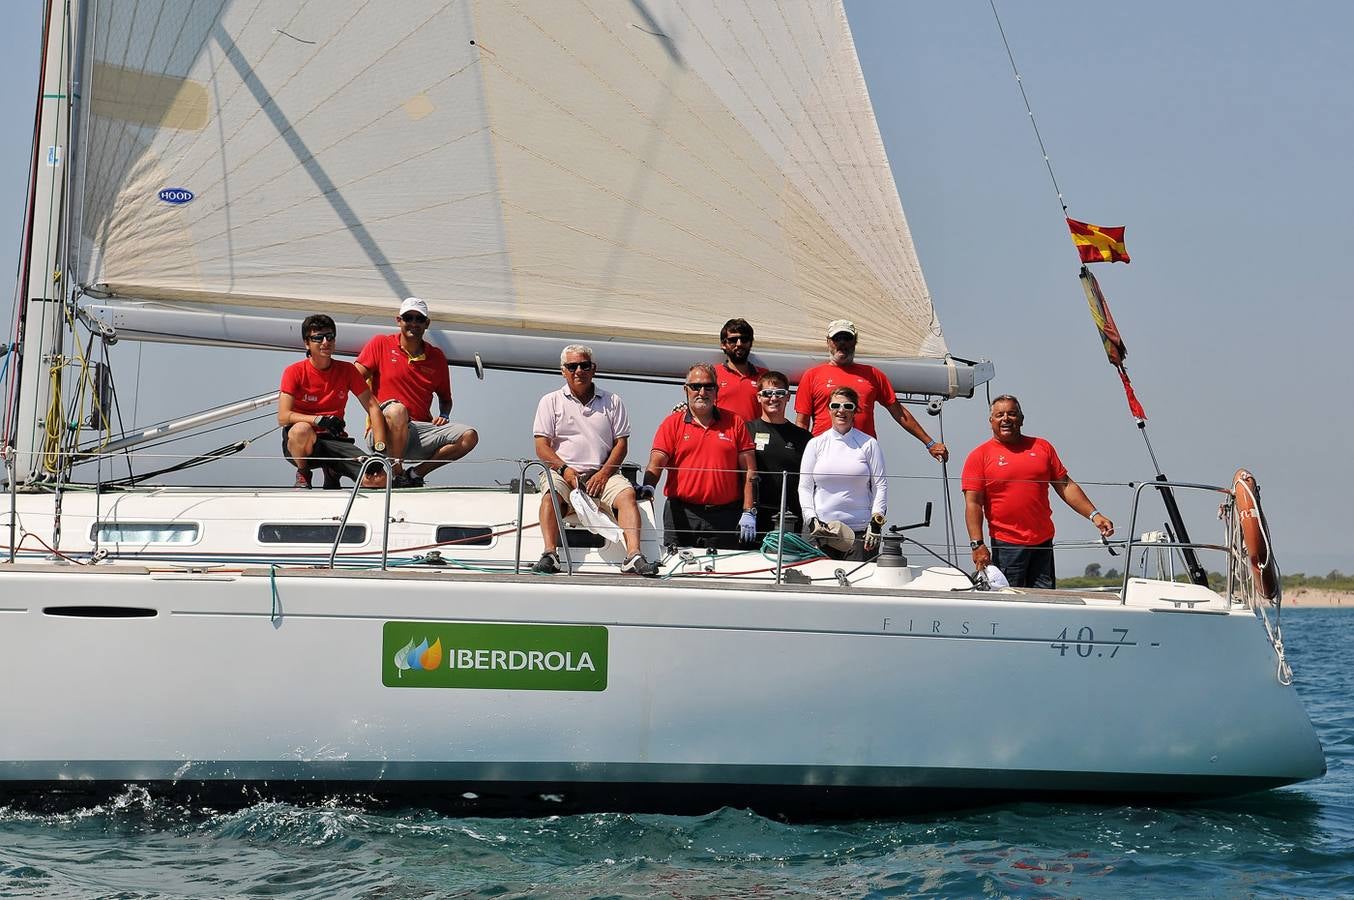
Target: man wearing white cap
x: 405, y: 373
x: 872, y: 385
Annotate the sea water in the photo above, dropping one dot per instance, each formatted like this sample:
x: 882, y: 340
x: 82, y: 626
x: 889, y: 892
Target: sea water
x: 1298, y: 841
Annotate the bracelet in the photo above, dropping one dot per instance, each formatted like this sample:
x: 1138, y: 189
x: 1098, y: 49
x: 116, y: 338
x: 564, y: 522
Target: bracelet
x: 930, y: 444
x: 1094, y: 513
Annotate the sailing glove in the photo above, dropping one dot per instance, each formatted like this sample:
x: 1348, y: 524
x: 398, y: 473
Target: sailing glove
x: 747, y: 526
x: 872, y: 533
x: 645, y: 492
x: 331, y: 424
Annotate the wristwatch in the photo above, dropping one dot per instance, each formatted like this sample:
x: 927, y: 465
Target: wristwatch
x: 974, y: 545
x: 379, y: 446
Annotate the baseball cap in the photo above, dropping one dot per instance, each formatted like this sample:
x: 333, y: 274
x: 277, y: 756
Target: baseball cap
x: 837, y: 326
x: 413, y: 304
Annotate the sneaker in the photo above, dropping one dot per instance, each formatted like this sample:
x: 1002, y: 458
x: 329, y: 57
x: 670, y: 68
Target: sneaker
x: 407, y: 479
x: 548, y: 564
x: 332, y: 480
x: 302, y: 482
x: 636, y: 564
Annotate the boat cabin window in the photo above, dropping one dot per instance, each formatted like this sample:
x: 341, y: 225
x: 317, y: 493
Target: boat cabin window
x: 144, y: 532
x: 465, y: 535
x: 309, y: 533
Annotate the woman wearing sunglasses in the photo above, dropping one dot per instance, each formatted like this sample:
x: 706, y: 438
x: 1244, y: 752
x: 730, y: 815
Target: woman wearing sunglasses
x: 842, y: 479
x: 779, y: 445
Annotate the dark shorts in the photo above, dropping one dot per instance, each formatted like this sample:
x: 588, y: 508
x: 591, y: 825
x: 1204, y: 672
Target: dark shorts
x: 338, y: 453
x: 698, y: 525
x: 1027, y: 566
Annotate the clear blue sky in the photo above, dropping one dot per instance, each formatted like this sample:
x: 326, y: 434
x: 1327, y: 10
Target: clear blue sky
x: 1218, y: 132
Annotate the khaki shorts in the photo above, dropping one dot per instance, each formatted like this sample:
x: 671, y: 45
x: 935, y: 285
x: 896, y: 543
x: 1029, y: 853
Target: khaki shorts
x: 615, y: 486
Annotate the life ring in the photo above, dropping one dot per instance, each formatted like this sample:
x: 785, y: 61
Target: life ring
x: 1255, y: 534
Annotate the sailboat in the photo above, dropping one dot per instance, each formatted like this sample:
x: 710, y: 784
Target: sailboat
x: 620, y: 172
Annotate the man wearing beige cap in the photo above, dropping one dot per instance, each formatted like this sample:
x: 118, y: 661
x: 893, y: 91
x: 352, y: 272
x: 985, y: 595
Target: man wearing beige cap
x: 406, y: 372
x: 872, y: 385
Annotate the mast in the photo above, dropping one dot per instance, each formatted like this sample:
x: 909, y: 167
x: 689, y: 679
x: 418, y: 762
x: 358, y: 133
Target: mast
x: 42, y: 275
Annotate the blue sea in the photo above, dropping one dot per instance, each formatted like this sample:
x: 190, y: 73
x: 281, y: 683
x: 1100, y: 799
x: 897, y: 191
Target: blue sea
x: 1295, y: 842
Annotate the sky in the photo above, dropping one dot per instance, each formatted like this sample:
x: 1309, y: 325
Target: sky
x: 1217, y: 132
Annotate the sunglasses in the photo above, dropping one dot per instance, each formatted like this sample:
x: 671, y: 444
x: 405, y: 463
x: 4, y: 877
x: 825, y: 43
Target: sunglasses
x: 701, y: 386
x: 849, y: 407
x: 321, y: 337
x: 414, y: 319
x: 575, y: 366
x: 738, y: 339
x: 773, y: 393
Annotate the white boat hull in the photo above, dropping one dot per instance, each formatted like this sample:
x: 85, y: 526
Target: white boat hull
x: 796, y: 699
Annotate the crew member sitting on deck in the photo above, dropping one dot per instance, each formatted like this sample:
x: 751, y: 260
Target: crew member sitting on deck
x: 711, y: 468
x: 842, y: 480
x: 582, y: 434
x: 310, y: 407
x: 405, y: 373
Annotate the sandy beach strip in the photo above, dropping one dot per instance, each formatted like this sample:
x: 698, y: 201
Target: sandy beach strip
x: 1316, y: 597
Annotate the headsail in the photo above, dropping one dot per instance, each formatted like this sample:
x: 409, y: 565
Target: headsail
x: 633, y: 168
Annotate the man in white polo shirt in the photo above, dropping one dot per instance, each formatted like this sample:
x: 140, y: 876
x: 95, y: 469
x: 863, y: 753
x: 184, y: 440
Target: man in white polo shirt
x: 582, y: 434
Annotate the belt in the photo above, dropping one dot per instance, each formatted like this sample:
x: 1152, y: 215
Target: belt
x: 704, y: 506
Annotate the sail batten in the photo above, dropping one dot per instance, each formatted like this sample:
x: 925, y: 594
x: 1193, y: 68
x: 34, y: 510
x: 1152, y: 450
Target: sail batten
x: 581, y: 166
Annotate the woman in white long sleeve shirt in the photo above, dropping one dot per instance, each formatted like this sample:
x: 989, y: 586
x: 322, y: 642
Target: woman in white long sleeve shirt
x: 842, y: 475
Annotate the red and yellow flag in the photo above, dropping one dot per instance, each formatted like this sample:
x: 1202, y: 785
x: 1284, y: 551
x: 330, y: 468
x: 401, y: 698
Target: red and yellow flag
x: 1096, y: 243
x: 1110, y: 337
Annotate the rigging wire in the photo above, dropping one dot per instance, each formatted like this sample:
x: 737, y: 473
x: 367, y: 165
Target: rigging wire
x: 1020, y: 83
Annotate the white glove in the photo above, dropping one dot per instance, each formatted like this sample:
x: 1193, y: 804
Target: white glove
x: 747, y: 526
x: 873, y: 531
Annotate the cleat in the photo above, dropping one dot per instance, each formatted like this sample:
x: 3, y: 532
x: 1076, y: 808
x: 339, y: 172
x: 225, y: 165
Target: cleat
x: 636, y: 564
x: 548, y: 564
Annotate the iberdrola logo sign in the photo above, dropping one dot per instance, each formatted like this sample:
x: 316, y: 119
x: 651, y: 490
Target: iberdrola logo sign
x: 422, y: 657
x: 494, y: 656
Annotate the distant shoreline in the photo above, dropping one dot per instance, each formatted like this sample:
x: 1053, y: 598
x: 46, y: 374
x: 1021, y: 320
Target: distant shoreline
x: 1317, y: 598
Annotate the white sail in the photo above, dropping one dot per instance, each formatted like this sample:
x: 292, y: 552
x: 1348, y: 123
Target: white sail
x: 641, y: 169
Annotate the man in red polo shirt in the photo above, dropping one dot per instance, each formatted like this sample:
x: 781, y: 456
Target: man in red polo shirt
x: 406, y: 372
x: 1006, y: 481
x: 737, y: 376
x: 870, y: 384
x: 711, y: 466
x: 310, y: 405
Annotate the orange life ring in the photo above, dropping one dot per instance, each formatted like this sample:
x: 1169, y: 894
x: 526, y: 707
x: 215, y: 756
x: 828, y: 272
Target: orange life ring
x: 1255, y: 534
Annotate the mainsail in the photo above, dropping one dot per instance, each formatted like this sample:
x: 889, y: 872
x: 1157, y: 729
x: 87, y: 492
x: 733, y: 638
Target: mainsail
x: 621, y: 169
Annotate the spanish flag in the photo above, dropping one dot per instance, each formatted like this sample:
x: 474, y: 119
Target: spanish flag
x: 1110, y: 337
x: 1098, y: 244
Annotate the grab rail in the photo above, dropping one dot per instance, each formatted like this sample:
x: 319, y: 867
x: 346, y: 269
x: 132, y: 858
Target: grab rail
x: 523, y: 466
x: 347, y: 510
x: 1133, y: 530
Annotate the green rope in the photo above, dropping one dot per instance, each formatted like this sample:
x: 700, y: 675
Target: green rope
x: 797, y: 549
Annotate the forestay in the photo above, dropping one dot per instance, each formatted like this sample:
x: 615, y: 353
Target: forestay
x: 639, y: 169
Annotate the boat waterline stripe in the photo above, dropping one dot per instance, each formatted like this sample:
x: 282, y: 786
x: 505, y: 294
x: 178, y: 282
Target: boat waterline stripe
x: 74, y: 773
